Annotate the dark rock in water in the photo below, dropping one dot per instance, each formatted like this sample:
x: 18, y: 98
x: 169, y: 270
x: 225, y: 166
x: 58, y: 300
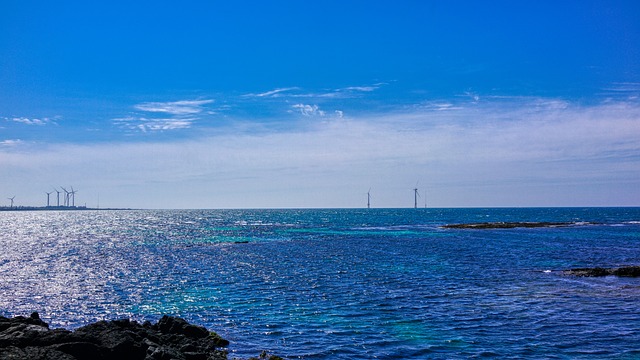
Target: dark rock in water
x: 30, y: 338
x: 631, y: 271
x: 173, y: 325
x: 625, y: 271
x: 506, y: 225
x: 597, y: 271
x: 265, y: 356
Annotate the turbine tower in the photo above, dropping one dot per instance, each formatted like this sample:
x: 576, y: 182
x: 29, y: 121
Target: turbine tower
x: 56, y: 190
x: 73, y: 197
x: 369, y: 199
x: 66, y: 196
x: 11, y: 198
x: 416, y: 195
x: 49, y: 193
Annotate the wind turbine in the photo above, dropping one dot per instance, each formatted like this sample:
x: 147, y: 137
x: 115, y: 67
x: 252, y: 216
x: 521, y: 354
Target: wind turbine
x: 49, y: 193
x: 11, y: 198
x: 56, y: 190
x: 73, y: 196
x: 415, y: 196
x: 369, y: 199
x: 66, y: 196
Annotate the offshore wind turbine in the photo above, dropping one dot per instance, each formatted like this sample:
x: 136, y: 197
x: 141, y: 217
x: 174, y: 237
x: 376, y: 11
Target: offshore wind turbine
x: 11, y: 198
x: 415, y: 195
x: 73, y: 196
x: 49, y: 193
x: 66, y: 196
x: 56, y: 190
x: 369, y: 199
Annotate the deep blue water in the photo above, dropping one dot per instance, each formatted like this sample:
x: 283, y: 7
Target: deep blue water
x: 337, y: 284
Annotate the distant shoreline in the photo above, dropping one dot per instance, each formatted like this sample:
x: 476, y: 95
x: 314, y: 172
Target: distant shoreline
x: 55, y: 208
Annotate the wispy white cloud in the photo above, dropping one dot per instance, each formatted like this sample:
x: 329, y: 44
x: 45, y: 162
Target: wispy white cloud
x: 361, y: 88
x: 624, y: 87
x: 308, y: 110
x: 347, y: 92
x: 315, y: 111
x: 273, y: 93
x: 472, y: 95
x: 178, y: 108
x: 154, y: 124
x: 629, y: 91
x: 30, y: 121
x: 440, y: 106
x: 297, y: 92
x: 172, y: 115
x: 11, y: 142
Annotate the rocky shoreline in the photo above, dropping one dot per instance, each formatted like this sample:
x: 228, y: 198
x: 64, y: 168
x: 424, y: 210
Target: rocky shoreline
x: 29, y: 338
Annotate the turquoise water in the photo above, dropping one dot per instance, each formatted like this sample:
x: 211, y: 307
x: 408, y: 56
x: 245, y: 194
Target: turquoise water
x: 337, y: 284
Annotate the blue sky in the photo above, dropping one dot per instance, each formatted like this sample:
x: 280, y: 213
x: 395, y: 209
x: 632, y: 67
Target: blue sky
x: 243, y: 104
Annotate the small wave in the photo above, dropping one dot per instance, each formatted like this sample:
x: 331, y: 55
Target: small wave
x: 394, y: 228
x: 625, y: 223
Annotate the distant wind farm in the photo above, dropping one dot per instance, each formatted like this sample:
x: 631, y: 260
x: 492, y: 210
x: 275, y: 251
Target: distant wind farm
x: 60, y: 198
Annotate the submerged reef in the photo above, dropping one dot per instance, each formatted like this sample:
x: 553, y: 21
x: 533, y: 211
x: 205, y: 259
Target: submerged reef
x: 506, y: 225
x: 625, y: 271
x: 23, y: 338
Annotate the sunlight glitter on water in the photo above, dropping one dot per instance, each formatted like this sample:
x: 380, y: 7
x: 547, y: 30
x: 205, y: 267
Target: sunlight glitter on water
x: 366, y: 284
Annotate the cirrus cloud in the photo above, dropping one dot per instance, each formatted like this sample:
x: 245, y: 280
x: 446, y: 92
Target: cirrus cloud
x: 154, y: 124
x: 30, y: 121
x: 182, y: 114
x: 183, y: 107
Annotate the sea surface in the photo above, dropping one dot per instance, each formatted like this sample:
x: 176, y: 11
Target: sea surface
x: 338, y: 284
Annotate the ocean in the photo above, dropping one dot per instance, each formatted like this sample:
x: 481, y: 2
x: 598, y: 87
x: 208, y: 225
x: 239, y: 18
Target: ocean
x: 338, y: 283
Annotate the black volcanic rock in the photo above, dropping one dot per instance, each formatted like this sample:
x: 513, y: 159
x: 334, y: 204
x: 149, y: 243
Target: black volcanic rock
x: 506, y: 225
x: 23, y: 338
x: 625, y: 271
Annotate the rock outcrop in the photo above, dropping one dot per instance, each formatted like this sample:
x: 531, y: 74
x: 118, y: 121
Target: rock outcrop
x: 23, y: 338
x: 506, y: 225
x: 625, y: 271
